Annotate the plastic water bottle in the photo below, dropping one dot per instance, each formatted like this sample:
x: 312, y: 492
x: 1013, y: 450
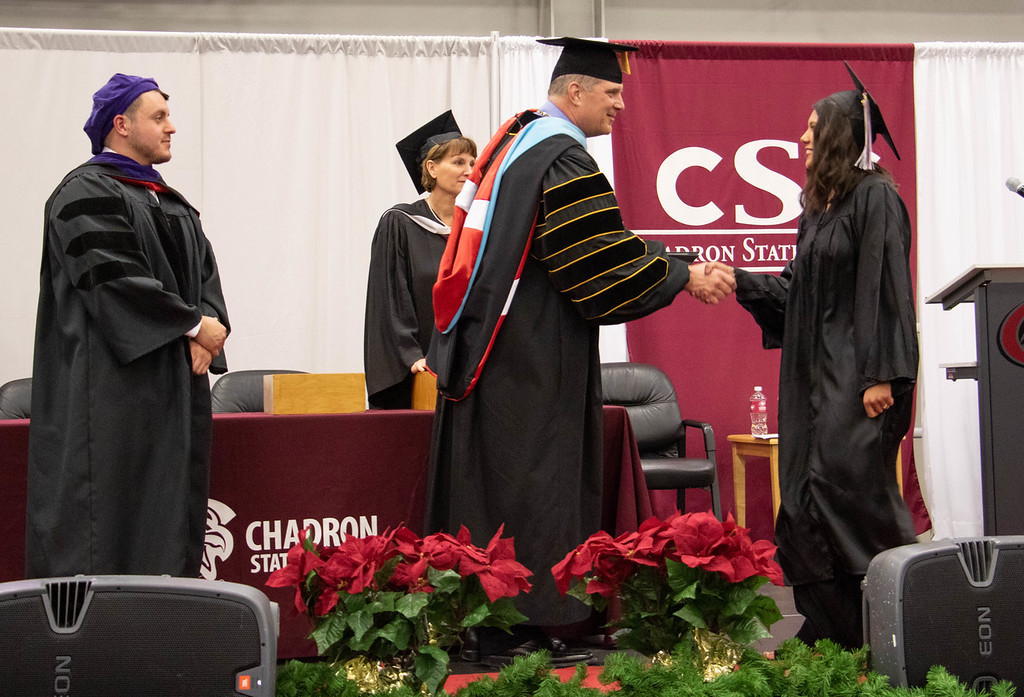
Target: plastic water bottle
x: 758, y: 413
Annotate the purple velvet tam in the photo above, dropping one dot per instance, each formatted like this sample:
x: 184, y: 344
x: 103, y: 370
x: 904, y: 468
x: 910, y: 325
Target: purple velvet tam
x: 112, y: 99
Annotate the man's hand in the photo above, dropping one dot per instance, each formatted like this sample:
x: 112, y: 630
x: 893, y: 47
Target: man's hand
x: 419, y: 366
x: 710, y: 281
x: 201, y: 358
x: 211, y: 335
x: 877, y: 399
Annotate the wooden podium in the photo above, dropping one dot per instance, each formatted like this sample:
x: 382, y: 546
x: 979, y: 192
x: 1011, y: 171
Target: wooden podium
x: 997, y: 292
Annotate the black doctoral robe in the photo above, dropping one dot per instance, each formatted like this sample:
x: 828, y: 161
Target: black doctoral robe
x: 843, y: 313
x: 119, y: 441
x: 404, y: 257
x: 524, y: 448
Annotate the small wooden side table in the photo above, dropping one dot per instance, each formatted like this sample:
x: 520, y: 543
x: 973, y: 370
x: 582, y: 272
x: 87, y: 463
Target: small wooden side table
x: 745, y: 445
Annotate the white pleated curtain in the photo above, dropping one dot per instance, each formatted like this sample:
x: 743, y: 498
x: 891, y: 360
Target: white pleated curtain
x: 969, y: 102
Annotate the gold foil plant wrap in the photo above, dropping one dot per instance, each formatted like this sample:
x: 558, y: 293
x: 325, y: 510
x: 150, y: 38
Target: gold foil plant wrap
x: 379, y: 677
x: 717, y: 653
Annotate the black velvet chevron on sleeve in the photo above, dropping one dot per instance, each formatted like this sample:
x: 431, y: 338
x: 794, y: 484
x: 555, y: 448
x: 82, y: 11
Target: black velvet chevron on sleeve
x: 582, y: 242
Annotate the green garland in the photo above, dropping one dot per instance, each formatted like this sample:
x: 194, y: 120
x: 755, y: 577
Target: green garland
x: 797, y: 671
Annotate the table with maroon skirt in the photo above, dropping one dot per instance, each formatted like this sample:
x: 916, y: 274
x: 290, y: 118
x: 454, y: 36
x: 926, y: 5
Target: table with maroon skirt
x: 339, y: 474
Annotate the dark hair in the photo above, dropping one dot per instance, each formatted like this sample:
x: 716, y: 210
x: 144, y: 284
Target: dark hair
x: 455, y: 146
x: 833, y: 172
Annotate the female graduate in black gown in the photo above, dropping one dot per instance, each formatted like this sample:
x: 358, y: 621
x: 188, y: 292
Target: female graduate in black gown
x: 404, y: 259
x: 843, y: 313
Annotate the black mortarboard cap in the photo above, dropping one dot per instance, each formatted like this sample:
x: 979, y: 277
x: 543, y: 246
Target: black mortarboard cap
x: 600, y: 59
x: 852, y: 104
x: 414, y: 147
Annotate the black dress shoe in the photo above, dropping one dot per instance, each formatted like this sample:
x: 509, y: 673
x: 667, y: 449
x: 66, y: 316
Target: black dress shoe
x: 561, y: 655
x: 567, y: 655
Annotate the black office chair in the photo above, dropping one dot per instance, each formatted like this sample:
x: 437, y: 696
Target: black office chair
x: 16, y: 399
x: 241, y: 390
x: 650, y: 400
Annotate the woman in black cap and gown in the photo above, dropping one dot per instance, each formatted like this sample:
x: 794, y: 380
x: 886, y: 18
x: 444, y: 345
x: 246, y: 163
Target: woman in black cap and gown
x: 843, y: 313
x: 404, y: 258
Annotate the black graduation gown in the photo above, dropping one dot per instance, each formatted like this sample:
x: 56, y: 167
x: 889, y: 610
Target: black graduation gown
x: 524, y: 448
x: 843, y: 313
x: 399, y: 312
x: 119, y: 441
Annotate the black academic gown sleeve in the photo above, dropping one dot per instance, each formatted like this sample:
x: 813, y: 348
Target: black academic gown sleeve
x: 885, y: 324
x: 609, y: 274
x: 764, y: 297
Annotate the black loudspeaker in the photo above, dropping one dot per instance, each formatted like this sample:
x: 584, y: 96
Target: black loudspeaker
x: 108, y: 636
x: 954, y: 603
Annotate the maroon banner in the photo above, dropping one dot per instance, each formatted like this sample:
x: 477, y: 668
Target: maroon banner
x: 707, y: 158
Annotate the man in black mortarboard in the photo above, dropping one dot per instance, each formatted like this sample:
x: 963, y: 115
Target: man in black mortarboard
x: 541, y: 254
x: 130, y: 320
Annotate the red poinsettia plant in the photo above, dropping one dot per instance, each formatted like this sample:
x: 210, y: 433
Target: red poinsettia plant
x: 674, y: 576
x: 398, y: 596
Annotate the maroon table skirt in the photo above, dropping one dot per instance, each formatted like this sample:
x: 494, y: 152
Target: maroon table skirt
x: 341, y: 474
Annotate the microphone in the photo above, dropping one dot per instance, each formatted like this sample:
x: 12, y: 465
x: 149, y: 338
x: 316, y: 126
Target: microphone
x: 1015, y: 185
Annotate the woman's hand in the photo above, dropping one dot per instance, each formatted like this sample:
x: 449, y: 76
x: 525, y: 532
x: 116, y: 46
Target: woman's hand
x: 877, y: 399
x: 419, y: 366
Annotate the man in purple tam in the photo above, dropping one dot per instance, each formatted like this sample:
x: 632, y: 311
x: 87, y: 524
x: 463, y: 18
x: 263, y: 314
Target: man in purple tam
x: 131, y: 319
x: 112, y: 99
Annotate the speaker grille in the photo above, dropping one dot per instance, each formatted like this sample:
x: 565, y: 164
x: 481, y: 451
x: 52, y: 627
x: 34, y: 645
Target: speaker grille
x: 978, y: 558
x: 66, y: 605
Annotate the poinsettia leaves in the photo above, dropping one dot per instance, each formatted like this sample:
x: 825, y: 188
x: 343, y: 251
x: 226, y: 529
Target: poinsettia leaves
x: 692, y: 614
x: 503, y: 614
x: 476, y: 615
x: 431, y: 667
x: 447, y: 581
x: 397, y: 632
x: 746, y: 630
x: 766, y: 610
x: 329, y: 630
x: 383, y: 602
x: 361, y: 622
x: 412, y: 604
x: 738, y: 600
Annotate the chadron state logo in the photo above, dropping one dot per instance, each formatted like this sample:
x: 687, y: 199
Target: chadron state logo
x: 220, y: 543
x: 1011, y: 336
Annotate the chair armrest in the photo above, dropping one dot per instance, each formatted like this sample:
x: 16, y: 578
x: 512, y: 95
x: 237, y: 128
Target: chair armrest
x: 709, y: 437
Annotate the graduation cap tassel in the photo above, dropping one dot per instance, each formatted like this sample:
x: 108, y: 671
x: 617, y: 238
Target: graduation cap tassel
x: 867, y: 157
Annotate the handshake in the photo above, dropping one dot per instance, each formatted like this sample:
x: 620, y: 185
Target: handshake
x: 710, y: 281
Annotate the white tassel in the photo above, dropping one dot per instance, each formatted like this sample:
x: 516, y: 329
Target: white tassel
x: 867, y: 157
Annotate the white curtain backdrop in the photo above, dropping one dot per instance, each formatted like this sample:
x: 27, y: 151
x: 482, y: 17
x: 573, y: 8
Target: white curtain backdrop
x: 969, y: 99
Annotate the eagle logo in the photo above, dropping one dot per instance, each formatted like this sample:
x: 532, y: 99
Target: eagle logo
x: 219, y: 540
